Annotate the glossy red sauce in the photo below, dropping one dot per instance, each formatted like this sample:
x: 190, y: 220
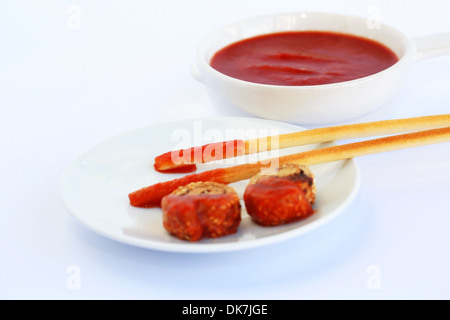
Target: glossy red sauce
x: 303, y: 58
x: 189, y: 157
x: 273, y: 201
x: 182, y: 168
x: 151, y: 196
x: 193, y: 217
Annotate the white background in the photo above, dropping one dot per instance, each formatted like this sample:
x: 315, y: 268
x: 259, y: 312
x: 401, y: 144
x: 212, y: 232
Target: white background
x: 63, y: 90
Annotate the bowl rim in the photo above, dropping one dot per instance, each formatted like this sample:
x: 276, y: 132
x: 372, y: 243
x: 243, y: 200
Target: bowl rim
x: 406, y: 58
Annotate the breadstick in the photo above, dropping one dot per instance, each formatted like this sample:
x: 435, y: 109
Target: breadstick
x: 151, y: 196
x: 385, y: 144
x: 352, y: 131
x: 196, y: 155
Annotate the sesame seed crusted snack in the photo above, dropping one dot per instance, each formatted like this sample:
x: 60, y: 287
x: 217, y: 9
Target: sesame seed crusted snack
x: 284, y: 196
x: 201, y: 210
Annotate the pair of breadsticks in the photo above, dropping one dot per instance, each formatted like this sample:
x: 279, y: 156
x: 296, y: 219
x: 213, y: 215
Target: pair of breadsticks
x: 420, y: 131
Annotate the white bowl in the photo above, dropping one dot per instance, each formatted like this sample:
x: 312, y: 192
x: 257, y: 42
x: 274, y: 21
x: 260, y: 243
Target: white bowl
x: 315, y: 104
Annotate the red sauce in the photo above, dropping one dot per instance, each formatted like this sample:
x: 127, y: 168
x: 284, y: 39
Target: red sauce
x: 303, y: 58
x: 274, y: 201
x: 193, y: 217
x: 189, y: 157
x: 151, y: 196
x: 182, y: 168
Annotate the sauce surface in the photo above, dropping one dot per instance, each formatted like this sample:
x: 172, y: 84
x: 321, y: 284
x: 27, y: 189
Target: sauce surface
x: 301, y: 58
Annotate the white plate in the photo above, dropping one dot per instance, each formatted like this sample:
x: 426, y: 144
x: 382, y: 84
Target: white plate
x: 95, y: 187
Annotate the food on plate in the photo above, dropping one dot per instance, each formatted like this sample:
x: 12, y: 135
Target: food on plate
x: 303, y: 58
x: 281, y: 197
x: 183, y: 161
x: 201, y: 210
x: 200, y: 206
x: 299, y: 174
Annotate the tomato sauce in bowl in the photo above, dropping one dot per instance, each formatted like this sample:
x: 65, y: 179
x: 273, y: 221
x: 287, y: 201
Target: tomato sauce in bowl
x: 303, y: 58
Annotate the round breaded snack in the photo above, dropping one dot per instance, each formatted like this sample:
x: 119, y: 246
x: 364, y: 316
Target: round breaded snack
x: 284, y: 196
x: 201, y: 210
